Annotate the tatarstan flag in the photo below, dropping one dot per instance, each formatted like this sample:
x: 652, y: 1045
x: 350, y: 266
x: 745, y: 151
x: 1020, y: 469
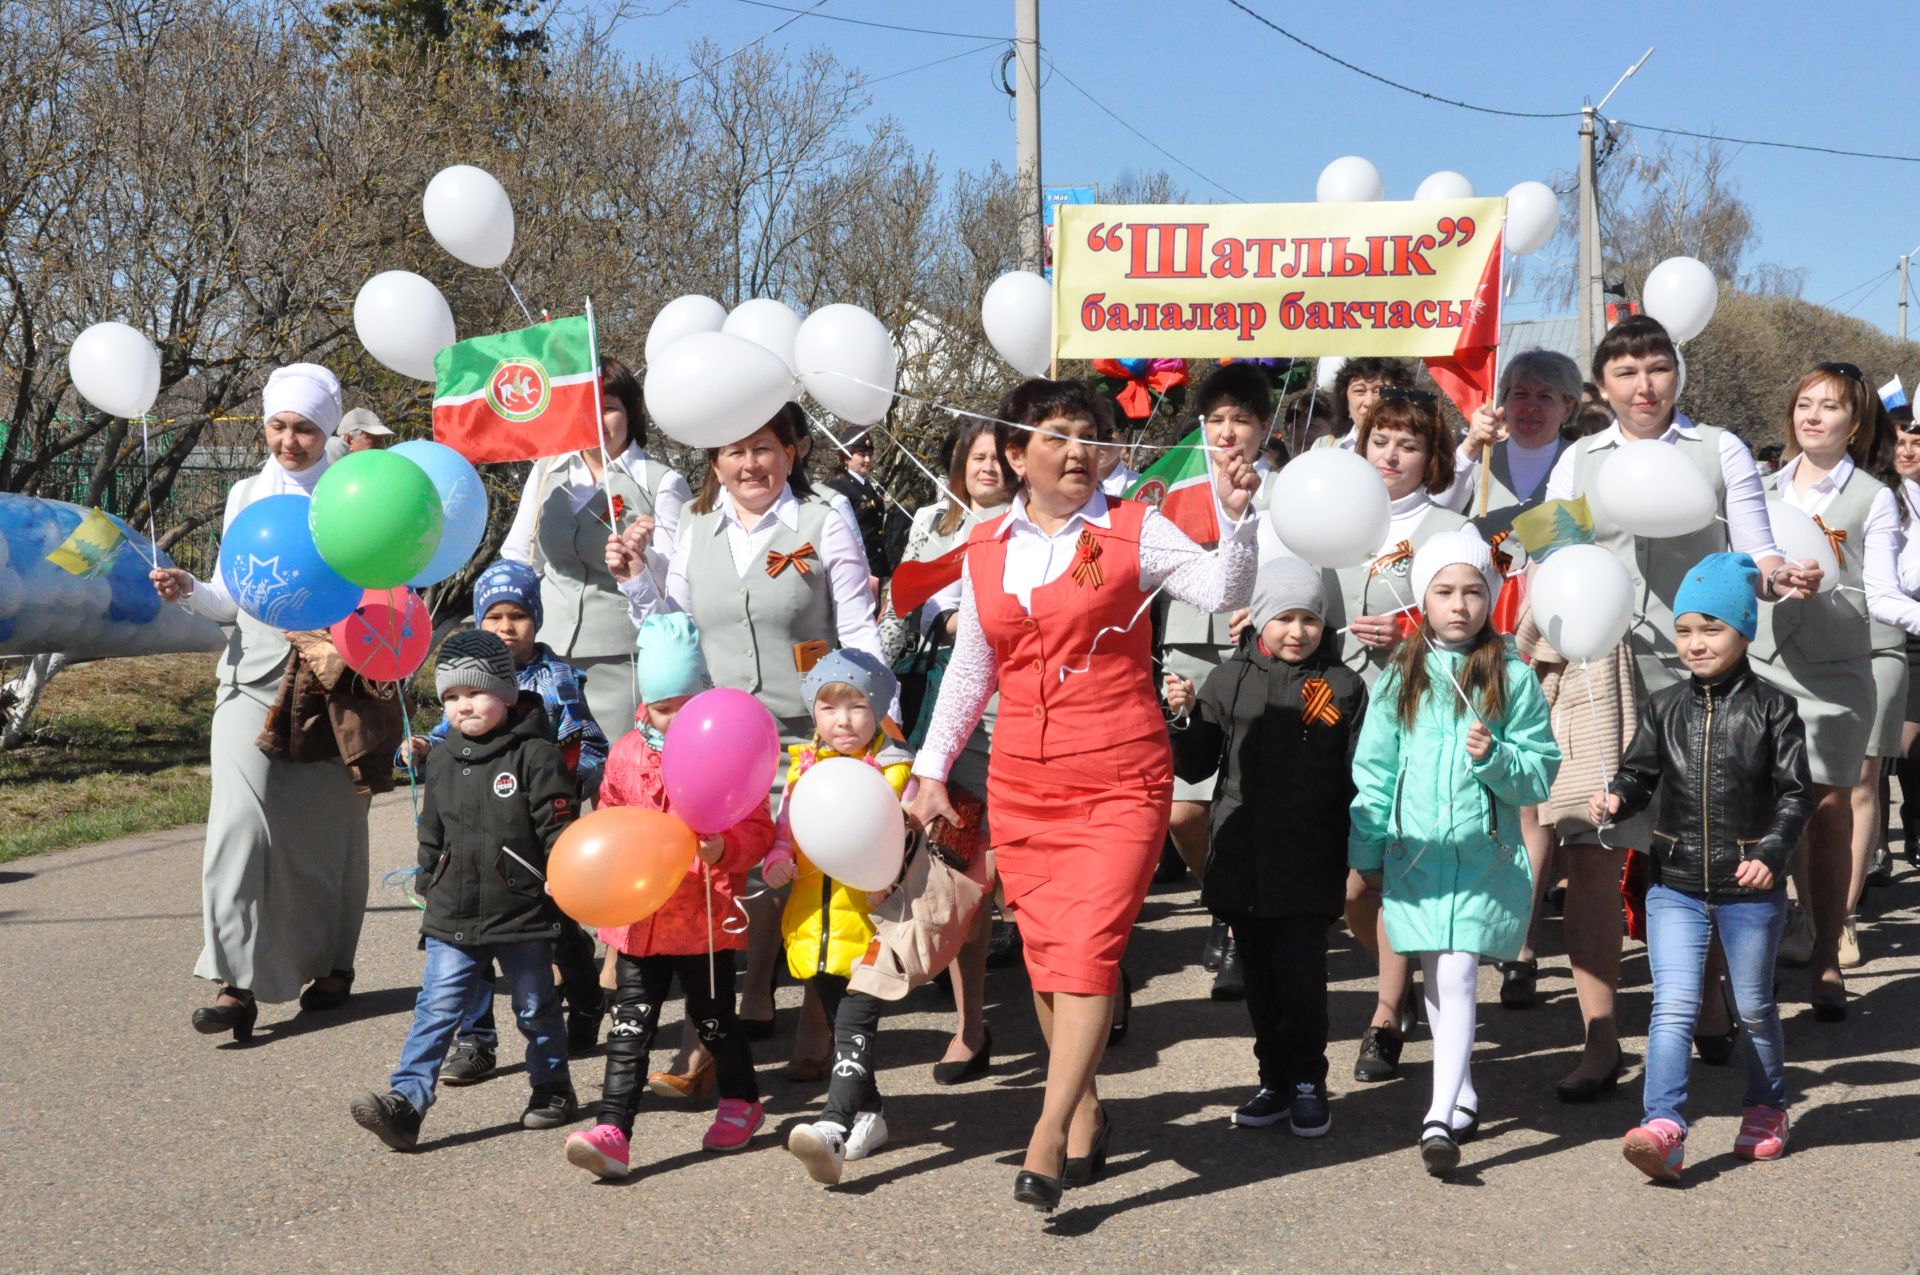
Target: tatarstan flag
x: 1181, y: 485
x: 519, y: 395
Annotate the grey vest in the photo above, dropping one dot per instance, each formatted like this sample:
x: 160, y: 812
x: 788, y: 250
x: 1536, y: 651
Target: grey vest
x: 1829, y: 626
x: 1189, y: 626
x: 1657, y: 566
x: 749, y: 625
x: 586, y: 614
x: 1503, y: 503
x: 1357, y: 591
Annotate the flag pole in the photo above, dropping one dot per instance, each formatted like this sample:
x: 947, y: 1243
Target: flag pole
x: 600, y: 418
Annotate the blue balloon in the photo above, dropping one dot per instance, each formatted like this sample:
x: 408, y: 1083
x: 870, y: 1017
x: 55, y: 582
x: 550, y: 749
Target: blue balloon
x: 271, y: 567
x: 463, y: 498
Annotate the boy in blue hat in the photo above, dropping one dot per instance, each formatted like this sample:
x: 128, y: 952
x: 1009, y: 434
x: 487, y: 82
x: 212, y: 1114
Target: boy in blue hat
x: 1730, y: 752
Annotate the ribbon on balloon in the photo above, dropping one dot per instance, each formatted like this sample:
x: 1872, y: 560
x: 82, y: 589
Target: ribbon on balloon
x: 1137, y: 383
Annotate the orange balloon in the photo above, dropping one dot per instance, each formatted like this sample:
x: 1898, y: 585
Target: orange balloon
x: 619, y: 865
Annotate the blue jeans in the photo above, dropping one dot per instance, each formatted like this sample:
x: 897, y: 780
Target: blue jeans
x: 1679, y: 930
x: 447, y: 989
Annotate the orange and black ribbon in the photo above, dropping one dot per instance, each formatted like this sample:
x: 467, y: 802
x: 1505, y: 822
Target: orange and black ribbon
x: 1402, y: 552
x: 1502, y: 560
x: 1836, y: 538
x: 1086, y: 567
x: 778, y: 562
x: 1316, y: 703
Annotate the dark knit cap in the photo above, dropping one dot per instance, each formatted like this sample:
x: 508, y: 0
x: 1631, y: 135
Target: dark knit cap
x: 479, y: 660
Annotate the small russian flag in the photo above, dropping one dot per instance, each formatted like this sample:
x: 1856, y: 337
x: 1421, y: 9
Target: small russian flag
x: 1893, y: 394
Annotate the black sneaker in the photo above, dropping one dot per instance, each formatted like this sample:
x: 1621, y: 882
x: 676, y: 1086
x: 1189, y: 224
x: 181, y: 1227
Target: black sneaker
x: 583, y: 1031
x: 470, y: 1063
x: 1268, y: 1107
x: 550, y: 1107
x: 389, y: 1117
x: 1308, y: 1113
x: 1379, y: 1054
x: 1230, y: 983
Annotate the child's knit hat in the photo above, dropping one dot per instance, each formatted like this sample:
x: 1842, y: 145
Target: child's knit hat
x: 669, y: 662
x: 1723, y: 586
x: 507, y: 581
x: 479, y: 660
x: 1287, y: 584
x: 864, y: 672
x: 1459, y: 548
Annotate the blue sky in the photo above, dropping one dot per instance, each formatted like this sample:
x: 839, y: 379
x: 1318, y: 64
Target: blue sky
x: 1261, y: 116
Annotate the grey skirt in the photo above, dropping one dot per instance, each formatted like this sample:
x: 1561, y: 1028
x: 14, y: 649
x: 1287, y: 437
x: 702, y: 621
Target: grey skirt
x: 1836, y: 699
x: 1891, y: 682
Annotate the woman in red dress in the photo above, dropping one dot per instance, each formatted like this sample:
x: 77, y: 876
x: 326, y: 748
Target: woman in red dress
x: 1080, y: 780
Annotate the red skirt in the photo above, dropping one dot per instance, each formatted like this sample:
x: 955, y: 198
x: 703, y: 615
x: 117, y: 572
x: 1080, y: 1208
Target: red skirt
x: 1076, y: 839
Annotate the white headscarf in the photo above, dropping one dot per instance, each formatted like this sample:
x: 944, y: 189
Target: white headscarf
x: 311, y: 391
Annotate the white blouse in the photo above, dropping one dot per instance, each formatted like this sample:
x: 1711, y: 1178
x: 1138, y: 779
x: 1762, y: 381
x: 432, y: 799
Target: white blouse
x: 1465, y: 470
x: 1879, y: 561
x: 670, y: 497
x: 1210, y: 581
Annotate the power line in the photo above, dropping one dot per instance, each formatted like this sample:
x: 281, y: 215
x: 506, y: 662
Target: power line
x: 719, y: 62
x: 964, y: 53
x: 1055, y: 67
x: 1395, y: 84
x: 864, y: 22
x: 1858, y: 286
x: 1786, y: 146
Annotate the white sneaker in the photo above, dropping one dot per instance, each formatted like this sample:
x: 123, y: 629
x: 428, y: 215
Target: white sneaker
x: 822, y: 1148
x: 869, y: 1134
x: 1850, y: 957
x: 1796, y: 943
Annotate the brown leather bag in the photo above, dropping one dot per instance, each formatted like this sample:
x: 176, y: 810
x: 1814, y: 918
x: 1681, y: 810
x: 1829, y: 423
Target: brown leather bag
x: 921, y: 926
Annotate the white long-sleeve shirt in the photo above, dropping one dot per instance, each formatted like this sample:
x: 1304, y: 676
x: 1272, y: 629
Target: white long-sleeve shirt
x: 1214, y: 581
x: 1879, y: 556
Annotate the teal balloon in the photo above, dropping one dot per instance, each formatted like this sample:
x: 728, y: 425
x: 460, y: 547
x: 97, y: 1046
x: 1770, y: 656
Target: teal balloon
x: 376, y: 519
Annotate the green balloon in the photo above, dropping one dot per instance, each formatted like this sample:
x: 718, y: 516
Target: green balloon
x: 376, y: 518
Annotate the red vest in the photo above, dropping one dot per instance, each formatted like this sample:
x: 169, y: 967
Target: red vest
x: 1109, y: 697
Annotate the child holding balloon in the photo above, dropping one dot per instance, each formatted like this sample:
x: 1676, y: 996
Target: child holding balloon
x: 826, y: 923
x: 1457, y: 741
x: 689, y: 938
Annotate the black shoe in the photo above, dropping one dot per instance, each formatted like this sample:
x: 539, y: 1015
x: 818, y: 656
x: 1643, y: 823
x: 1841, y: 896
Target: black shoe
x: 1171, y: 867
x: 211, y: 1020
x: 1465, y: 1133
x: 1715, y: 1048
x: 1117, y: 1031
x: 1881, y: 873
x: 1409, y: 1009
x: 1268, y: 1107
x: 1379, y: 1054
x: 1038, y: 1190
x: 958, y: 1073
x: 1085, y: 1170
x: 1230, y: 984
x: 470, y: 1063
x: 583, y: 1031
x: 1308, y: 1113
x: 1438, y: 1148
x: 1829, y: 1006
x: 389, y: 1117
x: 1215, y: 951
x: 755, y: 1029
x: 1519, y: 984
x: 1003, y: 945
x: 319, y: 999
x: 550, y: 1107
x: 1589, y: 1088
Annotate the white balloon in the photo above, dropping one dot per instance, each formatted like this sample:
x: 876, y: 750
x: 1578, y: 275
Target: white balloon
x: 847, y: 819
x: 1331, y: 507
x: 847, y: 362
x: 115, y: 368
x: 469, y: 215
x: 714, y: 388
x: 1445, y: 184
x: 1800, y: 540
x: 1682, y: 294
x: 1533, y: 214
x: 1017, y: 314
x: 767, y: 323
x: 403, y: 321
x: 1326, y: 370
x: 682, y: 317
x: 1349, y: 180
x: 1582, y: 599
x: 1679, y: 373
x: 1651, y: 489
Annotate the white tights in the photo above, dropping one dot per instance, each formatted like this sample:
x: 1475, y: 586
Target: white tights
x: 1452, y: 982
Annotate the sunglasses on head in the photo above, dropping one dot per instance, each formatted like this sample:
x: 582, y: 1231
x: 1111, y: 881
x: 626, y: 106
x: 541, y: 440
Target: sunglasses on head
x: 1847, y: 370
x: 1395, y: 394
x: 1911, y: 428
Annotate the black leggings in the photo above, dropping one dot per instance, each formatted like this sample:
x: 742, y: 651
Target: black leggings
x: 1285, y: 959
x: 644, y: 982
x: 856, y: 1020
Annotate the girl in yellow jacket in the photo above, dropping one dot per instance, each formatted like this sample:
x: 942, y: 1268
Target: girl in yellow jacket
x: 826, y: 925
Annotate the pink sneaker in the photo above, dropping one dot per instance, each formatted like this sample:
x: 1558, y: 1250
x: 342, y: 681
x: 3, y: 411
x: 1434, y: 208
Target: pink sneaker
x: 1763, y: 1134
x: 1658, y: 1149
x: 601, y: 1151
x: 734, y: 1124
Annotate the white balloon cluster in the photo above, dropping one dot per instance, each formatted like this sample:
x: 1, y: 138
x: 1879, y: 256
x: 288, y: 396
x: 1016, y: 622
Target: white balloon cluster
x: 1533, y: 210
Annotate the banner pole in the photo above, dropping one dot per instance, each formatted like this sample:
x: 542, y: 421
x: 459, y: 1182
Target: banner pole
x: 600, y: 419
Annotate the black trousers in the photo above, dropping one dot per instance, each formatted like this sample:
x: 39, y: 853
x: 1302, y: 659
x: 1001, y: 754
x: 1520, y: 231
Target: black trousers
x: 856, y: 1021
x: 1286, y: 969
x: 644, y: 982
x: 579, y: 984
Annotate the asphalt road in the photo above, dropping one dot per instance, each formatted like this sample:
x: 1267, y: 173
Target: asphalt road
x: 129, y: 1143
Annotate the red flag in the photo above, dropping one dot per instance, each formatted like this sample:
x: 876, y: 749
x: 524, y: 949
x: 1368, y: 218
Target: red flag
x: 1467, y: 376
x: 915, y: 583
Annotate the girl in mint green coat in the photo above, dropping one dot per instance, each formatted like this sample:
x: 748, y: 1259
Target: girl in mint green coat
x: 1458, y: 739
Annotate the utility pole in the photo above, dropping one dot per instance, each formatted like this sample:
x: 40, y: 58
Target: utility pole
x: 1903, y: 298
x: 1026, y: 45
x: 1590, y: 296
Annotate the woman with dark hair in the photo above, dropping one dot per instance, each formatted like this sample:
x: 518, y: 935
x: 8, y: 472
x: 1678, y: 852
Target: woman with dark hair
x: 562, y: 528
x: 1362, y: 384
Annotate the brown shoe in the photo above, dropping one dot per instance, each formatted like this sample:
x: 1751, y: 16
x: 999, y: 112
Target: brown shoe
x: 693, y: 1086
x: 802, y: 1071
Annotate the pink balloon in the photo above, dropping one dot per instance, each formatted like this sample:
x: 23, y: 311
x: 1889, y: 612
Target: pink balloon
x: 387, y: 637
x: 719, y: 760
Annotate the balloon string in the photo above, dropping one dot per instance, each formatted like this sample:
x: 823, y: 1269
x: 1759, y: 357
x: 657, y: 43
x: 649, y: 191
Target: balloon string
x: 706, y: 873
x: 1600, y: 756
x: 884, y: 493
x: 1446, y: 668
x: 516, y: 295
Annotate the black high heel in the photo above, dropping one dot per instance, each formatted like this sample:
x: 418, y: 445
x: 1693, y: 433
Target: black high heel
x: 1085, y: 1170
x: 958, y: 1073
x: 211, y: 1020
x: 1117, y: 1031
x: 1039, y: 1190
x: 1592, y: 1087
x: 319, y: 999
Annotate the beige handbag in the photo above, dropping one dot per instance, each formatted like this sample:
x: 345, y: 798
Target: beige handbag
x: 920, y: 928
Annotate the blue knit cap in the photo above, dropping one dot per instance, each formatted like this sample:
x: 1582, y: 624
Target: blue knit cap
x: 507, y: 581
x: 863, y: 672
x: 670, y: 663
x: 1722, y: 585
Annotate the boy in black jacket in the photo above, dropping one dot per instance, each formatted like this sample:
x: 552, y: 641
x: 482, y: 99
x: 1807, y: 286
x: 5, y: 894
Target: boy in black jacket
x: 497, y: 797
x: 1278, y: 720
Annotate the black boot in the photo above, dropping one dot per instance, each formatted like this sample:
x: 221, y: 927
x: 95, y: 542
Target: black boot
x: 1230, y: 983
x: 1211, y: 954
